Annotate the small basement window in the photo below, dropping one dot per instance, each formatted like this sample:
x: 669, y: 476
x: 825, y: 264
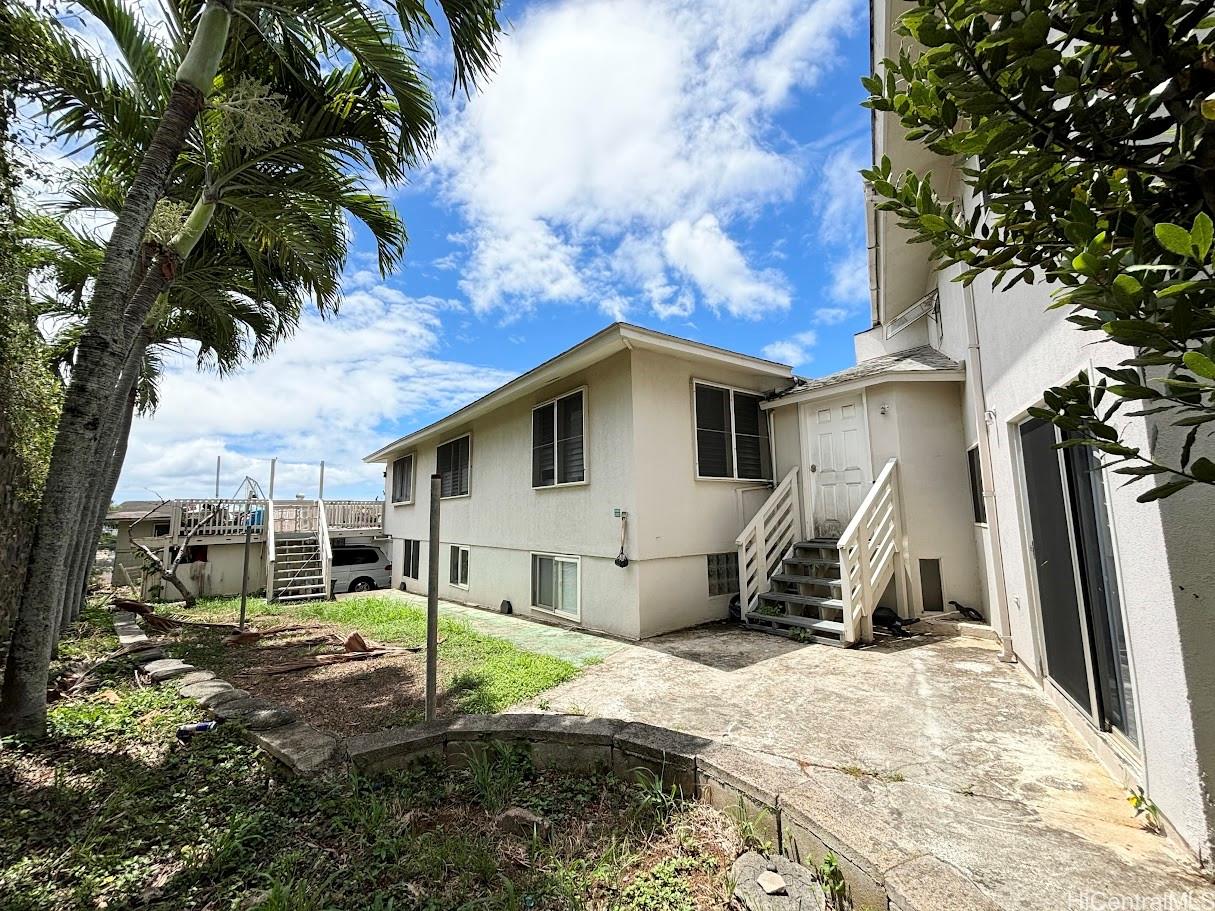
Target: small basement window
x: 413, y: 551
x: 555, y: 584
x: 976, y: 485
x: 723, y: 574
x: 457, y: 566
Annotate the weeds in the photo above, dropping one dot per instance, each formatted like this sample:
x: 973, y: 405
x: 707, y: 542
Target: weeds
x: 498, y: 770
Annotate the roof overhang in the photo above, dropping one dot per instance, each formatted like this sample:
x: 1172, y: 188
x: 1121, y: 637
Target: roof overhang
x: 600, y: 346
x: 855, y: 385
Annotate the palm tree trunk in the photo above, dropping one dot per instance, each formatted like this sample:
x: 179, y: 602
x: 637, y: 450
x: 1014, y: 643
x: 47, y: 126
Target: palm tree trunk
x: 100, y: 356
x: 116, y: 449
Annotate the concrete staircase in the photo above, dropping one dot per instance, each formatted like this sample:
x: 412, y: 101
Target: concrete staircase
x: 804, y: 601
x: 298, y: 574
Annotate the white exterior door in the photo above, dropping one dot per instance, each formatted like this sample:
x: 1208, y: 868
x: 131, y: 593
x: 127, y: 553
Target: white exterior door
x: 837, y: 457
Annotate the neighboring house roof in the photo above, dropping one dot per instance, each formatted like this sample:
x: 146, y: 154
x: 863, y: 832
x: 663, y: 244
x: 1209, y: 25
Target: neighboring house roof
x: 923, y: 363
x: 616, y: 337
x: 131, y: 510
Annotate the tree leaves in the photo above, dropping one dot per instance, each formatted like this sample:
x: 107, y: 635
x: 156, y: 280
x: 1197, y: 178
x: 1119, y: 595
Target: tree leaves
x: 1078, y: 128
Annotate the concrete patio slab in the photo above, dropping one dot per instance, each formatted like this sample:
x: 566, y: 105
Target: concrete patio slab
x: 919, y: 754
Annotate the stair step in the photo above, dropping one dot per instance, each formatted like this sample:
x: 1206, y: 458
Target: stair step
x: 798, y: 579
x: 317, y: 595
x: 825, y: 632
x: 809, y: 600
x: 297, y: 581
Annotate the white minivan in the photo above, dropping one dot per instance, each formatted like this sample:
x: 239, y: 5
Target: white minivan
x: 360, y: 568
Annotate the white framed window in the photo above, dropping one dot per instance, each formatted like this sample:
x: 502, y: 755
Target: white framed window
x: 453, y: 464
x: 457, y: 566
x: 402, y: 479
x: 556, y: 585
x: 559, y: 441
x: 731, y: 433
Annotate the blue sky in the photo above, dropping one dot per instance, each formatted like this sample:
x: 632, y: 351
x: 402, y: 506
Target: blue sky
x: 688, y: 166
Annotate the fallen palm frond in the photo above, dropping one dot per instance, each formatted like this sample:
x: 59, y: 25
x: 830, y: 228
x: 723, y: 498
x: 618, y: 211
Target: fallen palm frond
x: 355, y: 648
x: 75, y: 683
x: 160, y: 623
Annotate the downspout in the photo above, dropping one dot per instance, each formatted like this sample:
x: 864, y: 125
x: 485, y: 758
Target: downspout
x: 978, y: 403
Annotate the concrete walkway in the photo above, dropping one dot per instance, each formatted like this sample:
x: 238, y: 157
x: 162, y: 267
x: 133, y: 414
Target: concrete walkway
x: 571, y: 645
x: 919, y: 747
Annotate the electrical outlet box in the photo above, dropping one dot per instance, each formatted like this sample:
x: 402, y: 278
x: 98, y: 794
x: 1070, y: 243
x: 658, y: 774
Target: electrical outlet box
x: 620, y: 513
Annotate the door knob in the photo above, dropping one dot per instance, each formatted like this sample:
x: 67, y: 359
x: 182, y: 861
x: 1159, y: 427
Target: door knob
x: 813, y: 468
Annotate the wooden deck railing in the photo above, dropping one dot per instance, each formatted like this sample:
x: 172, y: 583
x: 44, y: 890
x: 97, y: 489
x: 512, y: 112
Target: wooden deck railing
x: 350, y: 514
x: 767, y: 539
x: 270, y: 547
x: 870, y: 550
x: 213, y: 518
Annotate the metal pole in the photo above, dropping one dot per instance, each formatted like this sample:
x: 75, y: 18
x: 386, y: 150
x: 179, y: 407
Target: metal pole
x: 432, y: 603
x: 273, y: 462
x: 320, y: 494
x: 244, y: 573
x: 217, y: 461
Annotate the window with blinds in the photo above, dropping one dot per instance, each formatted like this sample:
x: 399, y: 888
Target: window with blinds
x: 731, y: 434
x: 453, y: 466
x: 457, y: 566
x: 558, y: 437
x: 555, y: 584
x: 402, y: 479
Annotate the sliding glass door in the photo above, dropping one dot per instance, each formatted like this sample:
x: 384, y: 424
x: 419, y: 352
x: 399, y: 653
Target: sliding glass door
x: 1078, y: 597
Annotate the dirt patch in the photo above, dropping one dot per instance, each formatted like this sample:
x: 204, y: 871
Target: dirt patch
x: 342, y: 699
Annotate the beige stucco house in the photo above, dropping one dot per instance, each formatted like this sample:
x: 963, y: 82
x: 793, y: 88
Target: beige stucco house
x: 1107, y: 602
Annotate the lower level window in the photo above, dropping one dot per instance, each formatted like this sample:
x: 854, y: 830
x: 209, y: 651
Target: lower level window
x: 413, y: 551
x: 457, y: 571
x: 723, y: 573
x: 555, y: 584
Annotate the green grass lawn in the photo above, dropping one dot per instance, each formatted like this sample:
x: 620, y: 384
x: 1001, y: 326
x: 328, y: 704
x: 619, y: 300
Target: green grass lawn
x: 481, y: 674
x: 109, y: 812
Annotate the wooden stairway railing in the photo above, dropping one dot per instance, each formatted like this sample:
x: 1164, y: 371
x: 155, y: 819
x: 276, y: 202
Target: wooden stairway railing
x: 767, y: 539
x: 871, y: 549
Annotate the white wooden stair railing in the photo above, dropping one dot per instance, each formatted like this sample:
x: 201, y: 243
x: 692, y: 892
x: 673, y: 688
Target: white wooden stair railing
x: 270, y: 558
x: 767, y: 539
x: 870, y: 549
x: 322, y: 525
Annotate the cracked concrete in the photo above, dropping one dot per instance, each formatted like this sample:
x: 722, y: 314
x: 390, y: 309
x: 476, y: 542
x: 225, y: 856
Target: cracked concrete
x: 917, y: 753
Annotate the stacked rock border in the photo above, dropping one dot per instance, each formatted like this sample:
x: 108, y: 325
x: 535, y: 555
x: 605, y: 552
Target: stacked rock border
x: 778, y: 797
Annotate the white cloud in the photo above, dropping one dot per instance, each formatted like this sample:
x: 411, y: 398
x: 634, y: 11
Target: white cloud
x: 794, y: 350
x: 609, y: 124
x: 840, y: 195
x: 831, y: 316
x: 850, y: 277
x: 334, y: 391
x: 713, y: 261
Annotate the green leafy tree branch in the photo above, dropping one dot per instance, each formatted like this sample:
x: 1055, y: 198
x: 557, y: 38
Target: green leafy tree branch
x: 1087, y: 136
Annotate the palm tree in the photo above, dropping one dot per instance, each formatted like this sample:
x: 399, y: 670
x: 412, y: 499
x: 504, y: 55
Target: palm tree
x: 377, y: 113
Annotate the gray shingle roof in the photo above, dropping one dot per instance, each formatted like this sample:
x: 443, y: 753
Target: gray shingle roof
x: 924, y: 359
x: 136, y: 509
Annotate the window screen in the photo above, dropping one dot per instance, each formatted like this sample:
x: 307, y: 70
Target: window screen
x: 412, y: 555
x: 714, y: 446
x: 453, y: 464
x: 402, y: 479
x: 731, y: 435
x: 976, y: 484
x: 558, y: 432
x: 555, y: 584
x: 457, y: 569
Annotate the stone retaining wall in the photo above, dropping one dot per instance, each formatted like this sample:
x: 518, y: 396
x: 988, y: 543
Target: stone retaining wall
x: 778, y: 796
x: 772, y: 794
